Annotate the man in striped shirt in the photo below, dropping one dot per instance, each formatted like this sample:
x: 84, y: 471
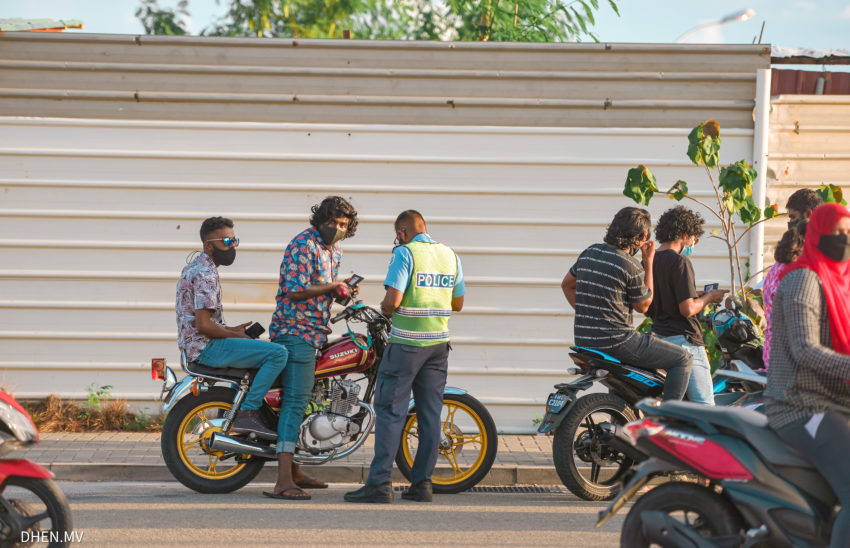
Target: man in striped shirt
x: 606, y: 284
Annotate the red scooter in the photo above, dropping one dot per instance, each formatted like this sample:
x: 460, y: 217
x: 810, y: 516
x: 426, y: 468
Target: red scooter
x: 33, y: 509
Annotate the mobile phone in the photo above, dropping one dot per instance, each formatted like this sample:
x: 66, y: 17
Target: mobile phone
x: 355, y: 279
x: 711, y: 287
x: 255, y: 330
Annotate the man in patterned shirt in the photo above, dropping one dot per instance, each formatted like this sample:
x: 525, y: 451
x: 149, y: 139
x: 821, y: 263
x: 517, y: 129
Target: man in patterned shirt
x: 203, y: 336
x: 300, y: 324
x: 606, y: 283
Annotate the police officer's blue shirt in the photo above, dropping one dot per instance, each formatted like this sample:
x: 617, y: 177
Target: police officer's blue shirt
x: 401, y: 268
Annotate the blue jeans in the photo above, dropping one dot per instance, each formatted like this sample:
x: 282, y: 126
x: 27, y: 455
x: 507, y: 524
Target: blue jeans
x: 297, y: 379
x: 700, y: 387
x: 269, y: 358
x: 403, y: 369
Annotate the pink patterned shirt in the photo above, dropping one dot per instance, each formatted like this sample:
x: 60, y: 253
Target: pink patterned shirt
x: 771, y: 284
x: 198, y: 288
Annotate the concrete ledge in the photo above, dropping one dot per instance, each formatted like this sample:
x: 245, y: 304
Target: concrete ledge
x: 498, y: 476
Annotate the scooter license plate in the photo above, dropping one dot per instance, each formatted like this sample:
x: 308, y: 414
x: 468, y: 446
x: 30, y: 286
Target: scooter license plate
x: 556, y: 402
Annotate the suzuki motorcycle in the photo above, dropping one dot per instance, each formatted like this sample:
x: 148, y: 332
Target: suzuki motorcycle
x: 754, y: 490
x: 590, y: 450
x: 32, y: 507
x: 203, y: 454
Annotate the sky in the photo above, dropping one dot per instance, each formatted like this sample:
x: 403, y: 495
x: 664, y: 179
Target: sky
x: 821, y: 24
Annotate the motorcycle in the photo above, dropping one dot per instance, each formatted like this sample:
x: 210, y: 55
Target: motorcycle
x: 590, y: 450
x: 754, y: 490
x: 202, y: 454
x: 32, y: 507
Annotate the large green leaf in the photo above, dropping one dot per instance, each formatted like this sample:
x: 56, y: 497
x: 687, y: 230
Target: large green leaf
x: 736, y: 181
x: 831, y: 194
x: 640, y: 185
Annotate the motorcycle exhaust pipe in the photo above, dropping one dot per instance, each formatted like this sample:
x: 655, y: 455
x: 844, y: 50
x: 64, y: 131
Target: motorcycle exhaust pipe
x: 614, y: 437
x: 220, y: 442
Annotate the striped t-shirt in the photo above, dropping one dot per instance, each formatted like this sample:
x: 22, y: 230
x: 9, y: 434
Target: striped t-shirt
x: 609, y: 281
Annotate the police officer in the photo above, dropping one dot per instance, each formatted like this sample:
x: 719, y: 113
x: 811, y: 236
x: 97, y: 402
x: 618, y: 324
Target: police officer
x: 424, y: 285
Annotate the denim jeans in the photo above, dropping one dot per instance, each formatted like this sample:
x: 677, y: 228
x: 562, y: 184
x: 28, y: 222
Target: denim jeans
x: 649, y: 352
x: 269, y: 358
x: 700, y: 387
x: 405, y: 368
x: 297, y: 379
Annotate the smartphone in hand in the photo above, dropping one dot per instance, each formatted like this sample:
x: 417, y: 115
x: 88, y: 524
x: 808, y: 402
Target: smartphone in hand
x: 711, y: 287
x: 255, y: 330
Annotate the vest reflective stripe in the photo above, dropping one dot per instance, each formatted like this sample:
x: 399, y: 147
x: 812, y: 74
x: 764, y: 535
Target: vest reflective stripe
x: 422, y: 319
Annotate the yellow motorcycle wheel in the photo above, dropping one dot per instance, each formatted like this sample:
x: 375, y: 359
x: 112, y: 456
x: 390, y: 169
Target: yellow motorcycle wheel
x: 186, y: 433
x: 468, y: 444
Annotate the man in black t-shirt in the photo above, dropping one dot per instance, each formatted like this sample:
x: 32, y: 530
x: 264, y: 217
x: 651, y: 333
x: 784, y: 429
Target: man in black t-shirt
x: 606, y: 283
x: 677, y: 302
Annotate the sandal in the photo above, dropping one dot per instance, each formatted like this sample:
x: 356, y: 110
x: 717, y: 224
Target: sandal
x: 295, y: 493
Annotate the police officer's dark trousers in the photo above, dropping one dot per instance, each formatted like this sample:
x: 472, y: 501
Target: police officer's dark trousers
x: 403, y: 368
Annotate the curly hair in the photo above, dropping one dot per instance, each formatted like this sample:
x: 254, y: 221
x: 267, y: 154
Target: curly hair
x: 629, y: 228
x: 678, y: 222
x: 331, y: 208
x: 791, y: 245
x: 212, y: 224
x: 804, y: 199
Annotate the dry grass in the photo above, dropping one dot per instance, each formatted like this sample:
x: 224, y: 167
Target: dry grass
x: 56, y: 415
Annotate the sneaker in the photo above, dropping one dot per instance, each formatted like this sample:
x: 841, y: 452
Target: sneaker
x: 249, y: 422
x: 421, y: 492
x: 372, y: 493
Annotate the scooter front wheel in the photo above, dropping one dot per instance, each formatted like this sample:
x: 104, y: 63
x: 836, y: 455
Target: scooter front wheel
x: 468, y: 444
x: 34, y: 508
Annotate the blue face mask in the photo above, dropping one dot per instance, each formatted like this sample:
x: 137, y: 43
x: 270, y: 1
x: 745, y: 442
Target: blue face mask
x: 687, y: 251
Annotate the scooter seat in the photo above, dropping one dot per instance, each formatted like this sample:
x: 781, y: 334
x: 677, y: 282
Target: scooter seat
x: 746, y: 424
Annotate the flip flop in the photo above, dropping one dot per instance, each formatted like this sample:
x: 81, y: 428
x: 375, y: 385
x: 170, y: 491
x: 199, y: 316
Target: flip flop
x: 283, y: 494
x: 311, y: 483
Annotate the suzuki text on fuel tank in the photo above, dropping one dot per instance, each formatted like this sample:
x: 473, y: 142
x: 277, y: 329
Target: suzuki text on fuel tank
x: 203, y: 454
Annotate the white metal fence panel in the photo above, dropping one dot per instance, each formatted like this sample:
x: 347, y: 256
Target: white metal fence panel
x: 97, y: 217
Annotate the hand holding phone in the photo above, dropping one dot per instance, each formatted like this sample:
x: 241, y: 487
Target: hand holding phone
x: 255, y: 330
x: 711, y: 287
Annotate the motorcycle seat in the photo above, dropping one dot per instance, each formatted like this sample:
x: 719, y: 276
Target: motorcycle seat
x: 746, y: 424
x: 198, y: 369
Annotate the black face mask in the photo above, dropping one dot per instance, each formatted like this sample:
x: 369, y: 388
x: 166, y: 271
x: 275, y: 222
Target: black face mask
x: 224, y: 256
x: 835, y: 247
x: 331, y: 234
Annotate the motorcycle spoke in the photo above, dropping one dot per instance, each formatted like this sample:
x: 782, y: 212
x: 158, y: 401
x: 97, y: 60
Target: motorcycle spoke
x: 29, y: 521
x: 213, y: 463
x: 202, y: 417
x: 452, y: 458
x: 192, y: 445
x: 449, y: 423
x: 594, y: 472
x: 463, y: 440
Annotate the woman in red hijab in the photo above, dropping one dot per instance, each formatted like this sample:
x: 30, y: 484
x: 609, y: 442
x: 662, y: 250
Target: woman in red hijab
x: 807, y: 398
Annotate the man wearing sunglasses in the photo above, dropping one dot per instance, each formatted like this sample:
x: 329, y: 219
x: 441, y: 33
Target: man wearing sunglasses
x: 203, y: 335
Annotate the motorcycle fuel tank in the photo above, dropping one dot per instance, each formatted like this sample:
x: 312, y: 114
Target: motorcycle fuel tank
x: 342, y: 356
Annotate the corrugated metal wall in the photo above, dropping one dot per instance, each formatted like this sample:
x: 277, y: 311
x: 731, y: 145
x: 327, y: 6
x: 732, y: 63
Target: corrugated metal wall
x: 809, y: 146
x: 509, y: 150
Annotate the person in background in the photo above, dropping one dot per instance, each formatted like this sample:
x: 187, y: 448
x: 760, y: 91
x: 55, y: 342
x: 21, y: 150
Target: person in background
x: 677, y: 302
x: 807, y: 397
x: 787, y: 251
x: 801, y: 204
x: 307, y: 285
x: 606, y: 283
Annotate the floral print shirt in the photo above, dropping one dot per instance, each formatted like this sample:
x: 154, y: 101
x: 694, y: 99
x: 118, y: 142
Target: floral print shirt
x: 771, y: 284
x: 306, y: 262
x: 198, y: 288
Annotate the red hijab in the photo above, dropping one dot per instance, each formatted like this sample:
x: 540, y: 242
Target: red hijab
x: 834, y: 277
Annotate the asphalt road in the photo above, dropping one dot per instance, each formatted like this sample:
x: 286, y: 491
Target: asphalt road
x: 168, y: 514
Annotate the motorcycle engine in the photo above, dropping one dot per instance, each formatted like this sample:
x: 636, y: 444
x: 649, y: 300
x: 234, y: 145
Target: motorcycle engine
x: 324, y: 431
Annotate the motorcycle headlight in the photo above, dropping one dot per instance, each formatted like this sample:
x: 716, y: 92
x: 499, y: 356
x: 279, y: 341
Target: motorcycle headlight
x: 20, y: 424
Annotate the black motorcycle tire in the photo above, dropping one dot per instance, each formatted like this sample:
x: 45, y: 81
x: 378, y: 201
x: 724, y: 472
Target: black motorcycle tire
x: 483, y: 466
x: 56, y: 506
x: 719, y: 517
x: 563, y: 445
x: 173, y: 459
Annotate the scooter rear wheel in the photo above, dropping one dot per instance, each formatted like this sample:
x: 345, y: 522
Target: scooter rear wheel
x: 704, y: 511
x: 587, y: 466
x: 39, y: 507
